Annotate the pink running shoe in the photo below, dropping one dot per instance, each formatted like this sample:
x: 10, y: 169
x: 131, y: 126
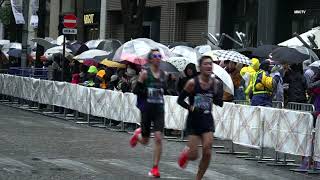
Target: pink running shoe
x: 134, y: 138
x: 154, y: 172
x: 183, y: 158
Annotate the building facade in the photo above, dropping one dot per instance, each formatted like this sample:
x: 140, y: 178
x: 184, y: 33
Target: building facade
x: 170, y: 20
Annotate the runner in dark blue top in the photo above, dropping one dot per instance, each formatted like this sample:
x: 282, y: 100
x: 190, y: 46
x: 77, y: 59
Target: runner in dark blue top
x: 203, y: 91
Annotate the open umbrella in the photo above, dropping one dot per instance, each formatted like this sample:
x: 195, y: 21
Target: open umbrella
x: 181, y: 62
x: 287, y: 55
x: 77, y: 48
x: 166, y: 66
x: 112, y: 64
x: 264, y: 51
x: 225, y: 78
x: 213, y: 56
x: 15, y: 53
x: 58, y: 50
x: 91, y: 54
x: 90, y: 62
x: 315, y: 64
x: 312, y: 55
x: 224, y: 55
x: 93, y: 44
x: 185, y: 51
x: 188, y: 44
x: 129, y: 58
x: 137, y: 50
x: 43, y: 42
x: 246, y: 51
x: 15, y: 46
x: 109, y: 45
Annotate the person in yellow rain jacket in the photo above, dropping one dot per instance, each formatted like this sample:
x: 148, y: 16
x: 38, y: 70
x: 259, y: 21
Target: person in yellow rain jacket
x: 263, y: 86
x: 247, y: 74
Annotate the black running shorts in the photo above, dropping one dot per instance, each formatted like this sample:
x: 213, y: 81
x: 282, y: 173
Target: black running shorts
x: 155, y: 115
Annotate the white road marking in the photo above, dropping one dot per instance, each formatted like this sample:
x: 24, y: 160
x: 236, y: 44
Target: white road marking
x: 13, y: 166
x: 134, y: 167
x: 72, y: 165
x: 209, y: 173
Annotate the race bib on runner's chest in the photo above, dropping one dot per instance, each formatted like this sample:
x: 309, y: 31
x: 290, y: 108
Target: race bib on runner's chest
x: 155, y: 95
x: 204, y: 102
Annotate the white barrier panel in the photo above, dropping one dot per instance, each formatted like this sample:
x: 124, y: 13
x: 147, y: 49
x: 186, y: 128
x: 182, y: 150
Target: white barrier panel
x: 59, y: 94
x: 130, y: 113
x: 98, y: 102
x: 224, y: 121
x: 115, y: 105
x: 83, y: 100
x: 46, y: 92
x: 247, y: 126
x: 26, y: 88
x: 18, y: 86
x: 316, y: 156
x: 35, y: 91
x: 5, y: 85
x: 175, y: 115
x: 270, y: 118
x: 294, y: 133
x: 10, y: 85
x: 71, y: 96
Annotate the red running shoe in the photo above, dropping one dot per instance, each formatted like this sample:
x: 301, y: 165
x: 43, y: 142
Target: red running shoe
x: 183, y: 158
x: 154, y: 172
x: 134, y: 138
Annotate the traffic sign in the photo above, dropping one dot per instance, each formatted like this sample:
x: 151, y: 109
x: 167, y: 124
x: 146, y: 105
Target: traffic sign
x: 70, y: 21
x: 69, y: 31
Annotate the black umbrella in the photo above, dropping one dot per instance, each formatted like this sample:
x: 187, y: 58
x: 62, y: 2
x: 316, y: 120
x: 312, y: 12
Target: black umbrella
x: 288, y: 55
x: 78, y: 48
x: 246, y: 51
x: 264, y: 51
x: 109, y: 45
x: 16, y: 53
x: 165, y: 66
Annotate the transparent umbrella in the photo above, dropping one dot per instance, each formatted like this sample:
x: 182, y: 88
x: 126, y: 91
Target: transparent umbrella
x: 225, y: 78
x: 184, y: 51
x: 139, y: 49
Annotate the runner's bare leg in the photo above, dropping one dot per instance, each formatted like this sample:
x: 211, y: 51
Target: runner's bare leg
x: 193, y: 147
x: 157, y: 148
x: 207, y: 141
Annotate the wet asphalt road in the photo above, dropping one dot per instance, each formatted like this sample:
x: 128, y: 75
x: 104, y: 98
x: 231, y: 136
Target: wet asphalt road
x: 34, y: 146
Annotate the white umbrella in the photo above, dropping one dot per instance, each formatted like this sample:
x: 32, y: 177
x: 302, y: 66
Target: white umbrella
x: 185, y: 51
x: 225, y: 78
x: 181, y: 62
x: 140, y: 48
x: 58, y: 50
x: 234, y: 56
x: 93, y: 44
x: 91, y: 54
x: 15, y: 46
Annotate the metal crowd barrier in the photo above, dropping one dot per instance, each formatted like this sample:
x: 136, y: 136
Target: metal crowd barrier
x: 306, y: 108
x: 38, y: 73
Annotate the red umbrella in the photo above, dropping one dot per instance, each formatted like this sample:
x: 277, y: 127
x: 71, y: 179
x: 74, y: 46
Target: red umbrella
x: 90, y: 62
